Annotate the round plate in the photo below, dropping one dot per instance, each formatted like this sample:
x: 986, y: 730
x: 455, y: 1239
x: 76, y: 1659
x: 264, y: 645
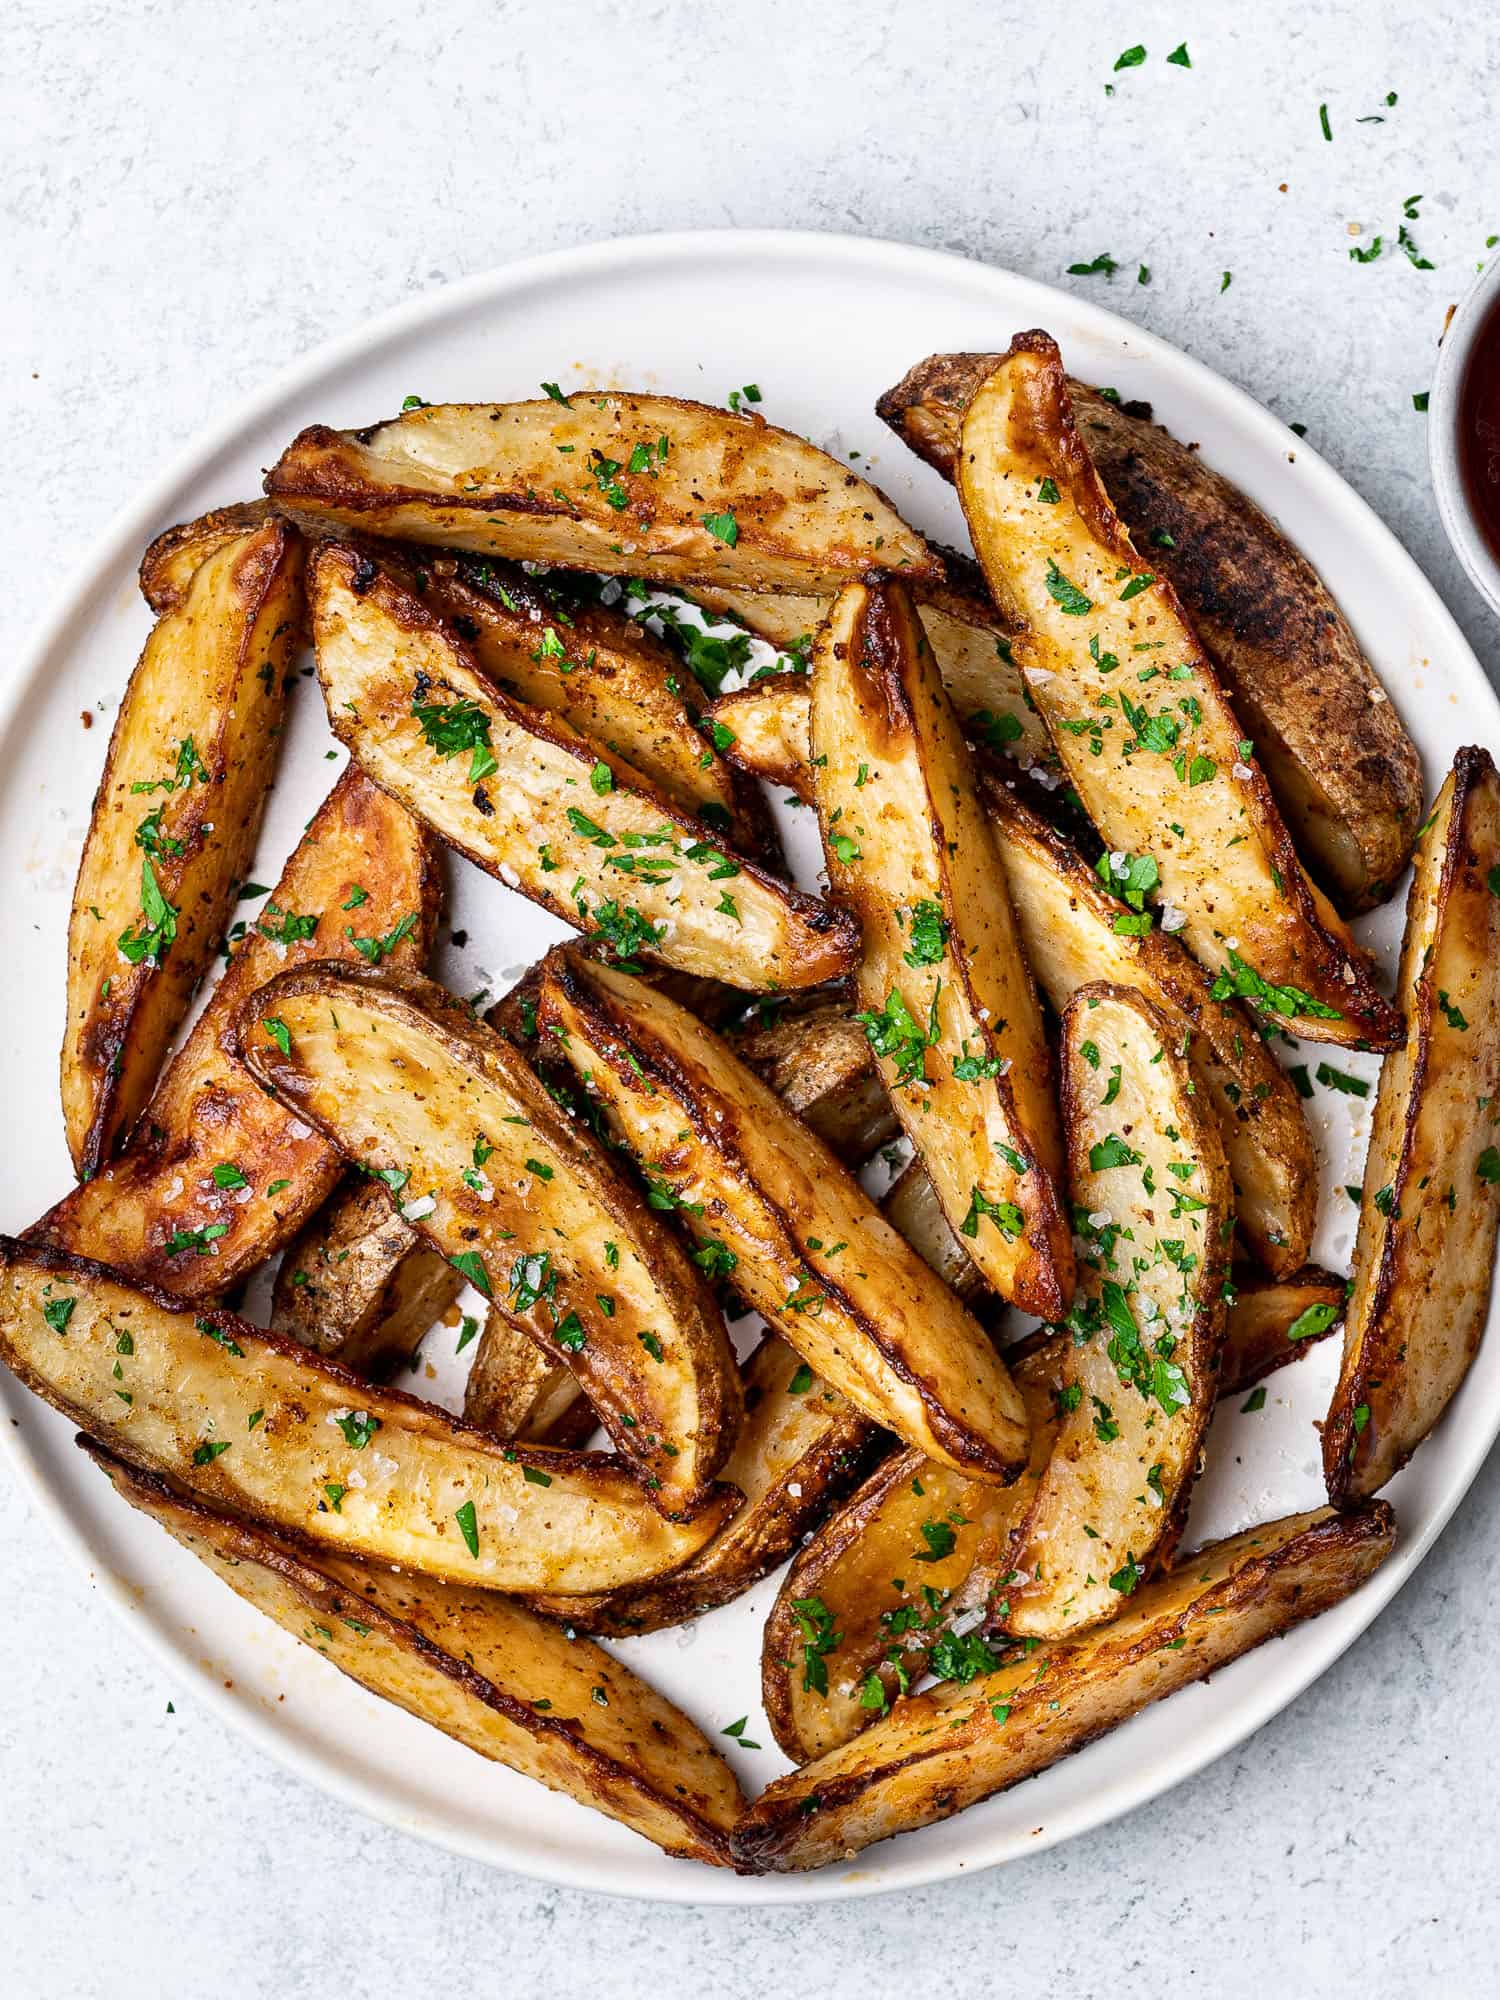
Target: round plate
x: 821, y: 324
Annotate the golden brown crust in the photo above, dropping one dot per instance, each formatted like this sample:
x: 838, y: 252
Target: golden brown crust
x: 1344, y: 770
x: 199, y: 728
x: 937, y: 1753
x: 381, y: 650
x: 1224, y: 853
x: 253, y: 1423
x: 486, y: 477
x: 904, y: 837
x: 1425, y: 1252
x: 474, y: 1667
x: 207, y: 1113
x: 876, y: 1324
x: 524, y: 1196
x: 175, y: 557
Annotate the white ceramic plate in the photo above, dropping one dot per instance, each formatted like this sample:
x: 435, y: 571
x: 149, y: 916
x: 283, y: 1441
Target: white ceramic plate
x: 822, y: 324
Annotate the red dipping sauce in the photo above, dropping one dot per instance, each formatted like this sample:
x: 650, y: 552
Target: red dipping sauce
x: 1479, y: 429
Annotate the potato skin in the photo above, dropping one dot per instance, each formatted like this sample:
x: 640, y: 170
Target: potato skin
x: 175, y: 817
x: 208, y: 1112
x: 1342, y: 766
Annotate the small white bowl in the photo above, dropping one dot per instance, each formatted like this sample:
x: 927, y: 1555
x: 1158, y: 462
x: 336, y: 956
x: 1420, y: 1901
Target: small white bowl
x: 1444, y: 412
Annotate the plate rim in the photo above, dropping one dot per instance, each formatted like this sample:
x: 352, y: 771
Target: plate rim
x: 140, y: 516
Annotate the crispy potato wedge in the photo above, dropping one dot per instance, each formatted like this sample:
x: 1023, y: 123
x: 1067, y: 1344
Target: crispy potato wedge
x: 771, y: 724
x: 358, y: 1283
x: 936, y: 1753
x: 528, y: 799
x: 1067, y: 920
x: 910, y: 1205
x: 485, y: 1671
x: 173, y: 827
x: 218, y: 1175
x: 261, y: 1427
x: 810, y: 1251
x: 1276, y: 1320
x: 1341, y: 765
x: 970, y: 641
x: 948, y: 1000
x: 1161, y: 769
x: 610, y: 678
x: 800, y: 1447
x: 175, y: 557
x: 1152, y: 1195
x: 867, y: 1607
x: 517, y: 1391
x: 819, y: 1065
x: 1425, y: 1252
x: 404, y: 1080
x: 647, y: 486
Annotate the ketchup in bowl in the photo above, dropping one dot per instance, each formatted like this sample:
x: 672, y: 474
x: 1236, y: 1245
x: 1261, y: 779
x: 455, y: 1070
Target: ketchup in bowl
x: 1479, y: 430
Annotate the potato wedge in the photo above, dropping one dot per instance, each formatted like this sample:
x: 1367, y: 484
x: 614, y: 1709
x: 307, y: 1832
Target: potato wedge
x: 1161, y: 769
x: 258, y: 1426
x: 485, y: 1671
x: 173, y: 827
x: 1341, y: 765
x: 522, y: 1200
x: 851, y: 1565
x: 770, y: 723
x: 1425, y: 1252
x: 809, y: 1250
x: 910, y: 1205
x: 1067, y: 922
x: 517, y: 1391
x: 937, y: 1753
x: 175, y: 557
x: 819, y: 1065
x: 359, y: 1284
x: 800, y: 1447
x: 948, y: 1001
x: 1152, y: 1195
x: 970, y: 641
x: 1273, y: 1321
x: 218, y: 1175
x: 528, y: 799
x: 626, y: 485
x: 599, y: 669
x: 868, y: 1606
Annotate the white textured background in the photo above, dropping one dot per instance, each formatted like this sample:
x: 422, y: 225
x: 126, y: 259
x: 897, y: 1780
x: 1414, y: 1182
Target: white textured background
x: 193, y: 195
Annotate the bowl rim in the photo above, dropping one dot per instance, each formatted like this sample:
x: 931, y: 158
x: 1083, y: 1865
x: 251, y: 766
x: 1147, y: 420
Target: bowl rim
x: 1445, y: 403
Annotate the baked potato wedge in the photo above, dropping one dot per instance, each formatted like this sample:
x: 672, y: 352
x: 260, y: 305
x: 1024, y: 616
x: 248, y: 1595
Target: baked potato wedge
x: 1152, y: 1197
x: 936, y: 1753
x: 1273, y: 1321
x: 947, y: 998
x: 259, y: 1426
x: 359, y: 1284
x: 800, y: 1447
x: 218, y: 1175
x: 970, y: 641
x: 517, y: 1391
x: 175, y: 557
x: 857, y: 1581
x: 624, y: 485
x: 529, y: 800
x: 1425, y: 1252
x: 484, y: 1670
x: 605, y: 674
x: 910, y: 1205
x: 1164, y: 770
x: 804, y: 1244
x: 173, y: 827
x: 819, y: 1064
x: 1074, y: 929
x: 520, y: 1198
x: 868, y: 1606
x: 1341, y: 765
